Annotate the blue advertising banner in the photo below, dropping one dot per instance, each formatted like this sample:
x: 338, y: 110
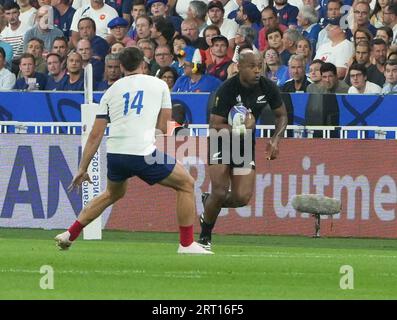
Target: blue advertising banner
x: 360, y: 110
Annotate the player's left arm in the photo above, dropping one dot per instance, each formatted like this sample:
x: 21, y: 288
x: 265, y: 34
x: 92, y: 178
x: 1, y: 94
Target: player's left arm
x: 281, y: 122
x: 162, y: 120
x: 91, y: 147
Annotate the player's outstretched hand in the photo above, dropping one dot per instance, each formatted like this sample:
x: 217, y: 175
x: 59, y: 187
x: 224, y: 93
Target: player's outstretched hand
x: 272, y: 149
x: 78, y: 179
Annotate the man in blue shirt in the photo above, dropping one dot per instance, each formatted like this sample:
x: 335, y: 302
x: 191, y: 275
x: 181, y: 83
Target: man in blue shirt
x: 112, y: 72
x: 194, y: 79
x: 63, y: 16
x: 75, y: 78
x: 30, y: 80
x: 87, y: 30
x: 286, y: 13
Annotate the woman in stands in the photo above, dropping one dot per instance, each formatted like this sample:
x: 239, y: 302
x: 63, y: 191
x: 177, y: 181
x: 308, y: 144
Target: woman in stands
x: 273, y: 69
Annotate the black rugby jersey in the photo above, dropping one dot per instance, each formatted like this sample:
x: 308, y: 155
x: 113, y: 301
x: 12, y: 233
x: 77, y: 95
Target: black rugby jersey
x: 256, y: 97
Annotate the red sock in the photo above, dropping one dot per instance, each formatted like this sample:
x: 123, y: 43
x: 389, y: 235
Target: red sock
x: 186, y: 235
x: 75, y: 230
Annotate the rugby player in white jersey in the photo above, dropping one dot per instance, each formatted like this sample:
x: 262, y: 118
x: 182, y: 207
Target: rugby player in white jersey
x: 135, y: 106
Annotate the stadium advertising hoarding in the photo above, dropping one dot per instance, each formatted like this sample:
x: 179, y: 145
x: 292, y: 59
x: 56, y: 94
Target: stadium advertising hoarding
x: 35, y: 172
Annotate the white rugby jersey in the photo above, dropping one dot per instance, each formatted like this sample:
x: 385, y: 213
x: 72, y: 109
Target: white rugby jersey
x: 133, y: 104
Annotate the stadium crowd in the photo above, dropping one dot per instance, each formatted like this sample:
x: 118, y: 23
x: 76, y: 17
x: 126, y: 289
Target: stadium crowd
x: 316, y: 46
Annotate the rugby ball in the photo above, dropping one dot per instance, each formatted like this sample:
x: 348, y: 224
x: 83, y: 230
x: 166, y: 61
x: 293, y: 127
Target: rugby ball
x: 237, y: 115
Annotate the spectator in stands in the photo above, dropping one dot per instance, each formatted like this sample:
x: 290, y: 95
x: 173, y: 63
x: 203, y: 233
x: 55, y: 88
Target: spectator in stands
x: 314, y: 75
x: 216, y: 16
x: 360, y: 85
x: 194, y: 79
x: 163, y: 57
x: 7, y: 78
x: 143, y: 26
x: 197, y: 11
x: 9, y: 53
x: 290, y: 41
x: 123, y: 7
x: 361, y: 15
x: 386, y: 34
x: 220, y: 59
x: 392, y: 56
x: 286, y: 13
x: 75, y: 77
x: 248, y: 15
x: 245, y: 36
x: 275, y: 39
x: 117, y: 47
x: 378, y: 13
x: 169, y: 75
x: 63, y: 16
x: 85, y: 50
x: 28, y: 13
x: 147, y: 47
x: 329, y: 81
x: 42, y: 30
x: 190, y: 29
x: 60, y: 47
x: 112, y: 72
x: 30, y: 79
x: 44, y: 2
x: 390, y: 19
x: 361, y: 56
x: 14, y: 33
x: 304, y: 48
x: 87, y: 30
x: 296, y: 69
x: 178, y: 44
x: 338, y: 51
x: 334, y: 14
x: 269, y: 20
x: 390, y: 86
x: 118, y: 32
x: 35, y: 46
x: 273, y: 68
x: 137, y: 9
x: 56, y: 72
x: 99, y: 12
x: 159, y: 8
x: 162, y: 31
x: 362, y: 34
x: 375, y: 71
x: 307, y: 20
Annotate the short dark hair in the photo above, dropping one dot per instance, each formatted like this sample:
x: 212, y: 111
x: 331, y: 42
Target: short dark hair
x: 130, y: 58
x: 87, y: 19
x: 60, y: 39
x: 319, y: 61
x: 391, y: 54
x: 27, y: 56
x: 328, y: 66
x: 11, y: 5
x: 137, y: 3
x: 393, y: 8
x: 165, y: 27
x: 212, y: 27
x: 358, y: 67
x: 181, y: 37
x: 273, y: 30
x: 2, y: 52
x: 165, y: 69
x: 378, y: 42
x: 55, y: 55
x: 41, y: 42
x: 270, y: 8
x: 388, y: 30
x: 392, y: 62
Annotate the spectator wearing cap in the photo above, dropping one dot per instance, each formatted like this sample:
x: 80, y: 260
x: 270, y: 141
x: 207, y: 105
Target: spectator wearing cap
x: 269, y: 20
x: 85, y: 50
x: 216, y: 16
x: 118, y: 30
x: 286, y: 13
x: 63, y: 16
x: 249, y: 15
x: 56, y: 71
x: 161, y: 31
x: 197, y: 11
x: 194, y: 79
x: 160, y: 8
x: 220, y: 59
x: 112, y: 72
x: 7, y: 78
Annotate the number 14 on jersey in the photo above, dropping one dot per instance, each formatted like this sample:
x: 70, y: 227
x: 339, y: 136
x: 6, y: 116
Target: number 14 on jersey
x: 136, y: 102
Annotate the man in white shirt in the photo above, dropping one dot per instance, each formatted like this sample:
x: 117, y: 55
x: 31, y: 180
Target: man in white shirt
x: 358, y: 78
x: 100, y: 12
x: 7, y: 78
x: 135, y: 106
x: 28, y: 13
x: 390, y: 86
x: 228, y: 27
x: 338, y: 51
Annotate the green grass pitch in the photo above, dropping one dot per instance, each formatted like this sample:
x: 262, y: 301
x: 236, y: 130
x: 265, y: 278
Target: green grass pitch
x: 146, y: 266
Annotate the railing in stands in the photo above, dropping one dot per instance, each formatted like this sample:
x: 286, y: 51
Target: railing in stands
x: 264, y: 131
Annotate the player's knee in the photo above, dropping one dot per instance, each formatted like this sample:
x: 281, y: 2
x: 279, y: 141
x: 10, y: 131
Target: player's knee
x: 242, y: 199
x: 219, y: 195
x: 187, y: 184
x: 114, y: 196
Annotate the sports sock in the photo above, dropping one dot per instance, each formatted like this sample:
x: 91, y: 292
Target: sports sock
x: 75, y: 230
x: 186, y: 237
x: 206, y: 229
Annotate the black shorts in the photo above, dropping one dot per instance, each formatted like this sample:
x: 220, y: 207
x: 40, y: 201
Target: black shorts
x: 234, y: 151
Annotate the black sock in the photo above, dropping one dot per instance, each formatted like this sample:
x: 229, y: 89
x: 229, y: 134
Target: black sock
x: 206, y: 229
